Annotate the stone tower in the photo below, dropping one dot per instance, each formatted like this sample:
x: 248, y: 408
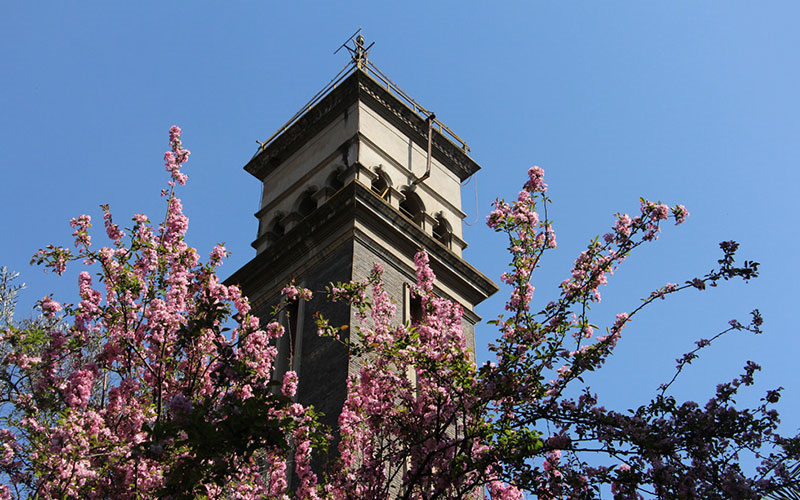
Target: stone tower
x: 362, y: 174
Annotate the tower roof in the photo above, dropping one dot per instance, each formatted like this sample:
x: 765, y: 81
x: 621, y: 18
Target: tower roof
x: 362, y: 81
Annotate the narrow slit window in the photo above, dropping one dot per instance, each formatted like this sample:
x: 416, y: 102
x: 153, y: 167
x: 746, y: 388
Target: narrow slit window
x: 412, y: 310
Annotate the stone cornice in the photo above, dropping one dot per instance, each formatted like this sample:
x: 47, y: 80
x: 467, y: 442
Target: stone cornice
x: 360, y: 87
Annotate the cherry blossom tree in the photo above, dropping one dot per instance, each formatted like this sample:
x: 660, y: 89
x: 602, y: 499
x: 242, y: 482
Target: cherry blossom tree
x: 160, y: 383
x: 420, y: 422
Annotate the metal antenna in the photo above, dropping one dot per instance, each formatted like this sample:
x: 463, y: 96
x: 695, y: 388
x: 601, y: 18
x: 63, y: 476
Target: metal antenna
x: 344, y: 45
x: 358, y: 53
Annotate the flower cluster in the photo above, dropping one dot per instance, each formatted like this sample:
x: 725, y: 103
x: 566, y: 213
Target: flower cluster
x: 548, y: 353
x: 176, y: 157
x: 292, y: 292
x: 134, y: 392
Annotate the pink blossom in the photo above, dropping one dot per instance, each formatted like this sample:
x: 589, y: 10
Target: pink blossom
x: 520, y: 298
x: 622, y: 318
x: 218, y: 253
x: 425, y: 276
x: 293, y: 292
x: 175, y: 134
x: 50, y: 306
x: 623, y: 225
x: 551, y: 237
x: 535, y: 181
x: 501, y: 491
x: 274, y: 330
x: 175, y: 158
x: 82, y: 224
x: 289, y: 387
x: 179, y: 405
x: 661, y: 212
x: 500, y: 212
x: 680, y: 213
x: 112, y: 230
x: 79, y: 388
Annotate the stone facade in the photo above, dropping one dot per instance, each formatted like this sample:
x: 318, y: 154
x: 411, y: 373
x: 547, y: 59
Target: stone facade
x: 344, y: 187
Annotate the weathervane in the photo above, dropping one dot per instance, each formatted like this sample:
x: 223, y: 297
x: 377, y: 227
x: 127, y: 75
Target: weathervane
x: 358, y: 60
x: 358, y: 52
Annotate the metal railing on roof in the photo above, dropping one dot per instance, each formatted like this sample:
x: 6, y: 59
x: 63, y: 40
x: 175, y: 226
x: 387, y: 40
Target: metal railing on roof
x: 393, y: 88
x: 360, y: 62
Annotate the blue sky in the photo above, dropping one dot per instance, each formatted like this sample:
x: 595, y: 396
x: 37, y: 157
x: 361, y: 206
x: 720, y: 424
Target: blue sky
x: 685, y: 102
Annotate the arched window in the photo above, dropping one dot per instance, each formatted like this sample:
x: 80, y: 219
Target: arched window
x: 442, y: 230
x: 380, y: 185
x: 276, y: 228
x: 334, y: 182
x: 307, y: 204
x: 412, y: 207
